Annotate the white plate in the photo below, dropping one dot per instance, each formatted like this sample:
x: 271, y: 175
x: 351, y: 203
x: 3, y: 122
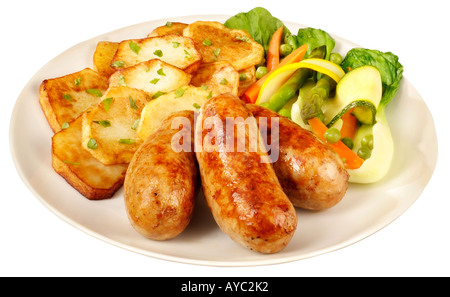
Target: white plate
x: 364, y: 210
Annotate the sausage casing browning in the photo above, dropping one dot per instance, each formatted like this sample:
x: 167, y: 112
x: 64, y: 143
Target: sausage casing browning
x: 159, y: 187
x: 242, y: 192
x: 311, y: 173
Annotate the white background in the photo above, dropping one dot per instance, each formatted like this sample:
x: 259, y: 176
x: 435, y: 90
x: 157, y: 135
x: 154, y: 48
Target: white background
x: 34, y: 242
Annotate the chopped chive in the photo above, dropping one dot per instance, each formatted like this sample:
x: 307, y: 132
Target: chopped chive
x: 224, y: 81
x: 126, y: 141
x: 216, y: 53
x: 65, y: 125
x: 104, y: 123
x: 196, y: 106
x: 207, y: 42
x: 132, y: 103
x: 67, y: 97
x: 157, y: 94
x: 147, y: 69
x: 118, y: 64
x: 121, y: 81
x: 158, y: 53
x: 209, y: 95
x: 135, y: 124
x: 243, y: 38
x: 161, y: 72
x: 134, y: 47
x: 179, y: 92
x: 169, y: 24
x: 154, y: 81
x: 77, y: 81
x: 92, y: 144
x: 204, y: 87
x: 175, y: 44
x: 107, y: 103
x: 187, y: 55
x: 71, y: 163
x: 95, y: 92
x: 242, y: 76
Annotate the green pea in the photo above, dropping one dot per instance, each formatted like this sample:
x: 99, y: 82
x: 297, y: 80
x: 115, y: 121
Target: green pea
x: 332, y: 135
x: 348, y: 142
x: 261, y: 71
x: 336, y: 58
x: 367, y: 140
x: 364, y: 152
x: 285, y: 49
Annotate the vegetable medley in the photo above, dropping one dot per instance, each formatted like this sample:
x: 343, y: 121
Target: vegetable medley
x: 340, y: 98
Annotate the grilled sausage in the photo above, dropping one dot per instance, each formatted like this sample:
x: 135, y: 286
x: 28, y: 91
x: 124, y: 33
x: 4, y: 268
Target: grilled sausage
x: 311, y: 173
x: 159, y: 187
x: 240, y: 186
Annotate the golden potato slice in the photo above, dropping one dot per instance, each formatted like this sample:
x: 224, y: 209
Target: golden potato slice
x: 176, y: 50
x: 247, y: 77
x: 151, y: 76
x: 215, y: 42
x: 80, y: 169
x: 63, y: 99
x: 168, y: 29
x: 109, y: 129
x: 103, y: 55
x: 155, y: 111
x: 219, y: 76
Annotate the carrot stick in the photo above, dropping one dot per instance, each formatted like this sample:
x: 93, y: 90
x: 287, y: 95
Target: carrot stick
x: 352, y: 160
x: 273, y: 53
x: 251, y: 94
x: 349, y: 125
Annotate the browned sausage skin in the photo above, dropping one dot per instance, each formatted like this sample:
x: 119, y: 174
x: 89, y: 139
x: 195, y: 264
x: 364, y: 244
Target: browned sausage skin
x: 311, y: 173
x: 242, y: 192
x: 159, y: 187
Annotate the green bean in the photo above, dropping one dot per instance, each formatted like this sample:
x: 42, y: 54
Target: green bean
x: 285, y: 113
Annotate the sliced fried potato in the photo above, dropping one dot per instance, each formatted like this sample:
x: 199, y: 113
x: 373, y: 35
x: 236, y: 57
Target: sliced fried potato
x: 176, y: 50
x: 155, y: 111
x: 103, y: 55
x: 215, y: 42
x: 168, y: 29
x: 152, y: 76
x: 219, y: 76
x: 109, y: 129
x: 247, y: 77
x: 80, y: 169
x: 63, y: 99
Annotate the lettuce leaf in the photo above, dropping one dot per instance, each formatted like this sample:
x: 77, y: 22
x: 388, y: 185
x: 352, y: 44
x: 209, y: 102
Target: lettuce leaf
x: 259, y: 23
x: 315, y: 38
x: 387, y: 63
